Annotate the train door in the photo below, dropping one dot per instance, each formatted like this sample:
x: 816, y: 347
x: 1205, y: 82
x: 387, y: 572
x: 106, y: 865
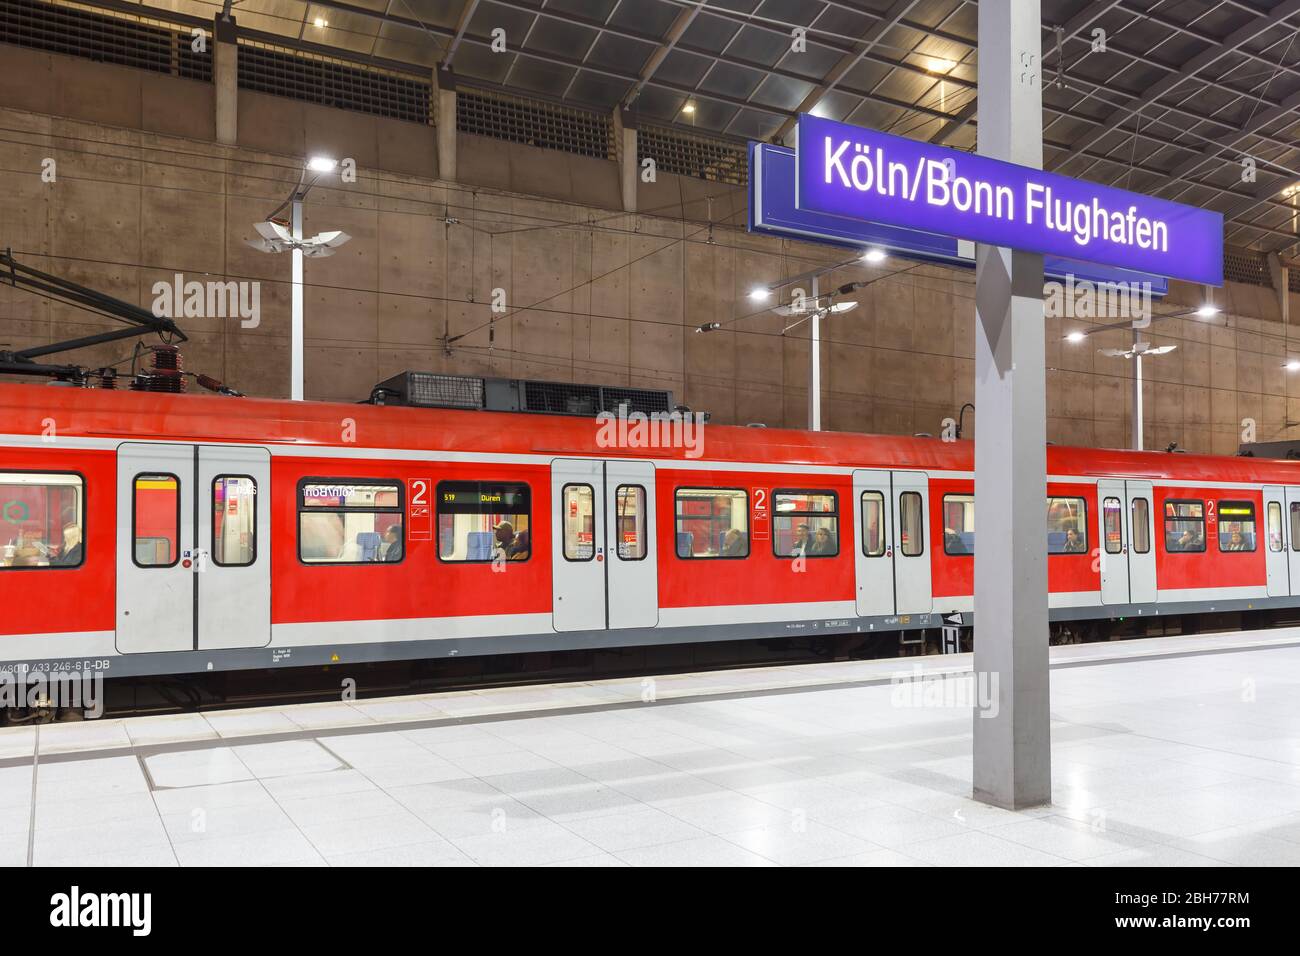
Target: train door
x: 1141, y: 551
x: 234, y: 532
x: 1291, y: 518
x: 874, y: 556
x: 911, y: 508
x: 1111, y: 495
x: 604, y: 559
x: 155, y: 541
x: 1275, y: 550
x: 578, y: 552
x: 632, y: 559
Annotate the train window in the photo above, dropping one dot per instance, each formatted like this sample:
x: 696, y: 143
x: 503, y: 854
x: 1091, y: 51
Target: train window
x: 873, y: 524
x: 1112, y: 520
x: 156, y: 520
x: 958, y: 524
x: 629, y: 501
x: 578, y: 504
x: 41, y: 520
x: 234, y: 521
x: 350, y: 521
x: 1184, y: 526
x: 1274, y: 526
x: 911, y: 524
x: 1141, y: 517
x: 1236, y: 526
x: 712, y: 523
x: 805, y: 523
x: 1067, y: 526
x: 483, y: 521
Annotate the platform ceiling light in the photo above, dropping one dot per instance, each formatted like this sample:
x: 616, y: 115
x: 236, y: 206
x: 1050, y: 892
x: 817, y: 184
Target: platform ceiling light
x: 321, y: 23
x: 689, y: 108
x: 1208, y: 311
x: 874, y: 255
x: 1076, y: 336
x: 321, y: 164
x: 760, y: 294
x: 1292, y: 366
x: 940, y: 65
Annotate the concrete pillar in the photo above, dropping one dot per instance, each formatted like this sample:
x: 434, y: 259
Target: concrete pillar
x: 1281, y: 276
x: 225, y: 80
x: 1012, y: 741
x: 625, y: 152
x: 444, y: 118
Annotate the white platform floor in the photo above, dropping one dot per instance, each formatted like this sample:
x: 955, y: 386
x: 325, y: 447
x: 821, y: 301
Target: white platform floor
x: 1168, y: 752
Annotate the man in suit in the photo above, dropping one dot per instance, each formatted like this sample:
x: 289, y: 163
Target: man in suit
x: 390, y: 546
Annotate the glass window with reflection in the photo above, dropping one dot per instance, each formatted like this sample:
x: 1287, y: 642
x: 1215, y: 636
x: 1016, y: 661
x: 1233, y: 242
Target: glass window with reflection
x: 350, y: 521
x: 1236, y: 526
x: 41, y: 520
x: 1184, y: 526
x: 958, y: 524
x: 1274, y: 526
x: 873, y: 524
x: 805, y: 523
x: 1067, y: 526
x: 712, y: 523
x: 484, y: 521
x: 630, y: 517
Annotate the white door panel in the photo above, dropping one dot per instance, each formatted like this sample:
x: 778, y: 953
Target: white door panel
x: 1113, y: 541
x: 911, y: 514
x: 578, y: 549
x: 1274, y: 540
x: 874, y: 555
x: 234, y: 578
x: 1140, y: 540
x: 631, y: 556
x: 155, y: 529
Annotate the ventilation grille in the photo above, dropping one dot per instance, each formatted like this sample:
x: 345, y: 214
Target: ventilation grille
x: 519, y: 119
x: 436, y: 390
x: 327, y: 81
x: 558, y: 398
x: 1244, y: 265
x: 124, y: 40
x: 699, y: 157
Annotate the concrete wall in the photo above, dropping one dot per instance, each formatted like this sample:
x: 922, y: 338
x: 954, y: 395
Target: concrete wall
x: 593, y: 294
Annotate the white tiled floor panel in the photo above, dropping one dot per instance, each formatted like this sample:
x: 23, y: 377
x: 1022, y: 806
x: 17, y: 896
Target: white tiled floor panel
x: 1189, y: 760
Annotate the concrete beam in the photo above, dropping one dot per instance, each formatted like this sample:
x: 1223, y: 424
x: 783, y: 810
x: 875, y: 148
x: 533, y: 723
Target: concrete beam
x: 625, y: 152
x: 1011, y: 739
x: 444, y: 119
x: 225, y: 80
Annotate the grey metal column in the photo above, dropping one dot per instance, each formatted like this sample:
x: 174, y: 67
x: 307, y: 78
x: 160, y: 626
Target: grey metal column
x: 1012, y: 740
x: 815, y: 361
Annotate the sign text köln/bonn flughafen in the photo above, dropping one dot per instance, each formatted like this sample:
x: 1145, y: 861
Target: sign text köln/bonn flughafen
x: 849, y: 171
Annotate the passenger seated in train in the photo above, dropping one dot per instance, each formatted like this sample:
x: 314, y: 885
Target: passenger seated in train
x: 511, y: 546
x: 823, y: 543
x: 733, y: 544
x: 1189, y: 540
x: 1236, y: 542
x: 70, y: 553
x: 390, y: 548
x: 1074, y: 543
x: 801, y: 542
x: 952, y: 542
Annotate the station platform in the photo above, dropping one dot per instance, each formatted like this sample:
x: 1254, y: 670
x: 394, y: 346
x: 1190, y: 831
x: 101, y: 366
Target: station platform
x: 1166, y: 752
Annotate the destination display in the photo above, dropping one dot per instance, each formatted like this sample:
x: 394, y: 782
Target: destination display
x: 857, y: 173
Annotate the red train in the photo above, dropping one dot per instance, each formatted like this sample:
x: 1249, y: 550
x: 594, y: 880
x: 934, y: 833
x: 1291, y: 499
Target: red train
x: 153, y: 533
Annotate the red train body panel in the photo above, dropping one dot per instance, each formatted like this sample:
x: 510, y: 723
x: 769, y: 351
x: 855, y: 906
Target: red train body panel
x: 638, y: 548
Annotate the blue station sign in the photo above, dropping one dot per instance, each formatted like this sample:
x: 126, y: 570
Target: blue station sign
x: 773, y: 212
x: 850, y: 172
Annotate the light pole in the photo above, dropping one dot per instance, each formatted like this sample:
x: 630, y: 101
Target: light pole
x: 275, y: 238
x: 1139, y: 350
x: 809, y: 307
